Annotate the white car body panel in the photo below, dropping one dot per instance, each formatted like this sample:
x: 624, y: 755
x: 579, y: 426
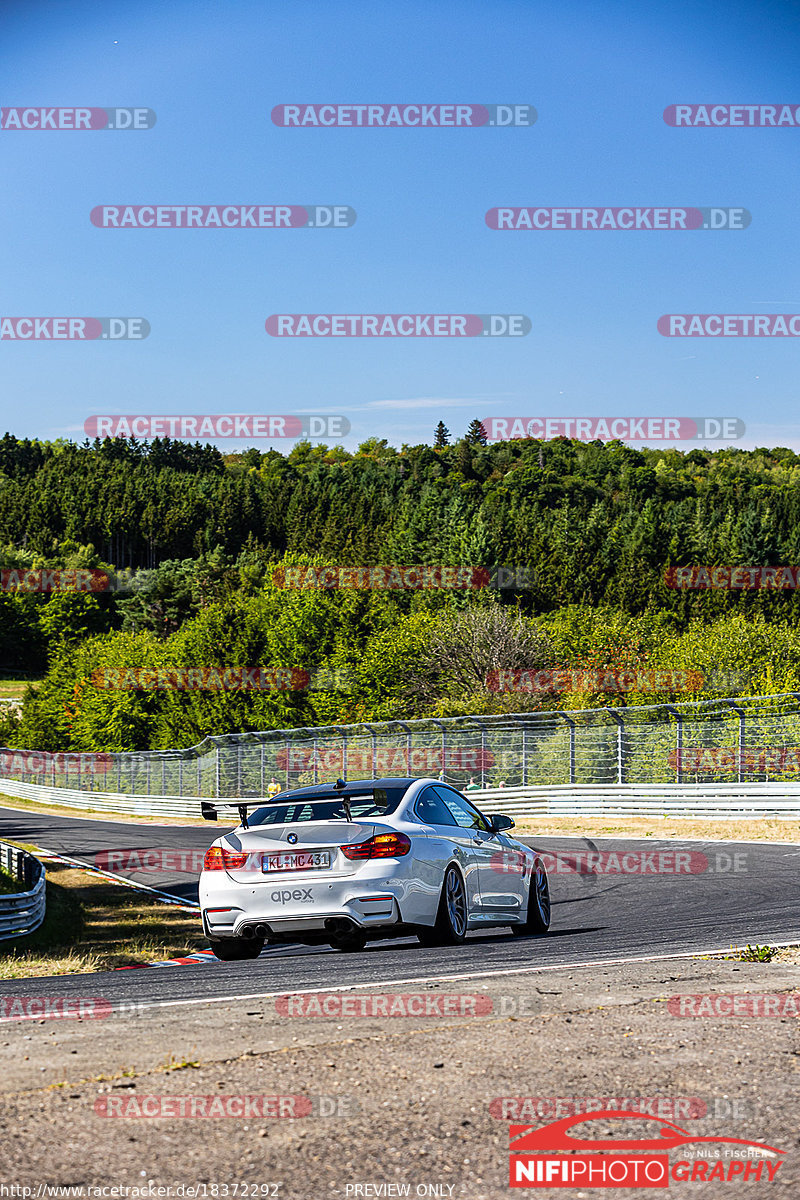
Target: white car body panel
x: 373, y: 893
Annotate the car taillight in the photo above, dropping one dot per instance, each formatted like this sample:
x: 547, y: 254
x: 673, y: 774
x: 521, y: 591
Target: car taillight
x: 219, y: 859
x: 383, y: 845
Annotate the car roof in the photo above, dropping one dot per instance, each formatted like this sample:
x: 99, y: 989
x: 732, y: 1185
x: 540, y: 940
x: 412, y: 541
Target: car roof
x: 352, y: 787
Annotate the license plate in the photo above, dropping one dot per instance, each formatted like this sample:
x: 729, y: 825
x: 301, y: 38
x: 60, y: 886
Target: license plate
x: 296, y: 860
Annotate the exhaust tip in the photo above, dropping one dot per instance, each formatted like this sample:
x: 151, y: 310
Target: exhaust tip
x: 261, y: 930
x: 339, y: 925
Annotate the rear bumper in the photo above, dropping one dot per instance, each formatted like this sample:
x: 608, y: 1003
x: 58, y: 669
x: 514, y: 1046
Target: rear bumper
x: 234, y: 915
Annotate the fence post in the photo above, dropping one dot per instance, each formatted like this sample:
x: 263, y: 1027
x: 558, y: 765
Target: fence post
x: 571, y: 724
x: 216, y: 772
x: 261, y: 765
x: 344, y: 755
x: 483, y: 748
x: 740, y: 754
x: 670, y: 708
x: 620, y: 745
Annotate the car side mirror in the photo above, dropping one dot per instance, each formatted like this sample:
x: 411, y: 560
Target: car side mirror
x: 499, y: 822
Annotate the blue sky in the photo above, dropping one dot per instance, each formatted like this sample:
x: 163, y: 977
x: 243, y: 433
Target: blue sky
x: 599, y: 77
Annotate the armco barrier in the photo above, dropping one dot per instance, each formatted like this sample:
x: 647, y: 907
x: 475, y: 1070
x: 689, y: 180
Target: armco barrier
x: 725, y: 801
x: 21, y: 912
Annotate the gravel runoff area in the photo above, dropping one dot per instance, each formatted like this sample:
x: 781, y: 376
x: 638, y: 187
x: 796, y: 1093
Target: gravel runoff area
x: 400, y: 1100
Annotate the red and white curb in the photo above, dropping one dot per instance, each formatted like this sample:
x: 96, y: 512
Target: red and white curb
x: 188, y: 960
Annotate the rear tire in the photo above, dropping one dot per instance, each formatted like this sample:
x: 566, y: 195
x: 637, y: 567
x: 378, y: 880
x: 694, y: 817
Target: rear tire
x: 350, y: 944
x: 451, y: 918
x: 235, y: 949
x: 537, y: 921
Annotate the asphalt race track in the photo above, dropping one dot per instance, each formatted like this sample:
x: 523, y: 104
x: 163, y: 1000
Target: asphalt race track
x: 597, y: 917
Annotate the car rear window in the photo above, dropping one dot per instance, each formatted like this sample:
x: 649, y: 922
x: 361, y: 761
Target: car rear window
x: 377, y: 803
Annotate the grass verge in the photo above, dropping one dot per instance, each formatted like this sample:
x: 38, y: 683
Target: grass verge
x: 94, y: 925
x: 765, y: 829
x: 14, y: 689
x: 8, y: 885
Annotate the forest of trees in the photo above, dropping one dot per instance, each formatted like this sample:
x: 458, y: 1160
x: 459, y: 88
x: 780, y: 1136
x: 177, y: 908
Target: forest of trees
x: 198, y: 538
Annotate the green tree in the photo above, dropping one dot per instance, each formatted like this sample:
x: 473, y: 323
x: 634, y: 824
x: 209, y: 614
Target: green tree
x: 441, y: 437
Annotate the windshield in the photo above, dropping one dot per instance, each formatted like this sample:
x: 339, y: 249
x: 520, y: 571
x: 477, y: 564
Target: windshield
x: 377, y: 803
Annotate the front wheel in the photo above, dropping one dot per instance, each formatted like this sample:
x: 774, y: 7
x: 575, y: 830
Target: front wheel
x: 537, y: 921
x: 451, y: 918
x: 235, y: 949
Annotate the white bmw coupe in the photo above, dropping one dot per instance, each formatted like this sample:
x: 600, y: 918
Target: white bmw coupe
x: 340, y: 863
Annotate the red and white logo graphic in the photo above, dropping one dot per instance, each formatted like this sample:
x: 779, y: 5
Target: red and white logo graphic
x: 604, y: 1162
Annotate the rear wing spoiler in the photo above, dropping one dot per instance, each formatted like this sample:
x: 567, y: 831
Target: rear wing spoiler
x: 209, y: 808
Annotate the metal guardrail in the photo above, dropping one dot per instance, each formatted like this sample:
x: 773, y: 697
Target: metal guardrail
x: 104, y: 802
x: 725, y: 801
x: 21, y: 912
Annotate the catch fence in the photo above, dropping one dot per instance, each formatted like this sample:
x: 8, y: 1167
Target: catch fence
x: 744, y: 741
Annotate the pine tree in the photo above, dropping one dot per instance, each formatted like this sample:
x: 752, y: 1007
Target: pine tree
x: 441, y: 437
x: 476, y: 434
